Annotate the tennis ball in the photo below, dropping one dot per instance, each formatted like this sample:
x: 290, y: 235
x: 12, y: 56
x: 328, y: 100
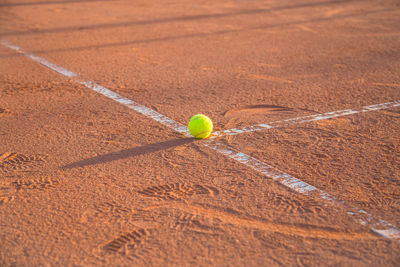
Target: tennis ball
x: 200, y: 126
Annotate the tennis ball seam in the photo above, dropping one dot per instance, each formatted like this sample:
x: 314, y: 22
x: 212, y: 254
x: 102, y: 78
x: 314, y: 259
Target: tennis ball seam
x: 195, y: 119
x: 202, y: 133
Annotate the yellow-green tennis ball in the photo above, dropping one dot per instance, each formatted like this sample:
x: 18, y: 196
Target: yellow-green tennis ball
x: 200, y: 126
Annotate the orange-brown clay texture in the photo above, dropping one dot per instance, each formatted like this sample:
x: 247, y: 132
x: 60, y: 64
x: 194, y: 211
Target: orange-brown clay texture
x: 86, y: 181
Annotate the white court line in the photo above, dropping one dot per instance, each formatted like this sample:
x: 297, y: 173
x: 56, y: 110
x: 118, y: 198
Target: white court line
x: 304, y: 119
x: 136, y: 107
x: 39, y: 60
x: 102, y: 90
x: 379, y: 226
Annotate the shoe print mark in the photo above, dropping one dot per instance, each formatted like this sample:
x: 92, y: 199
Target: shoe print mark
x: 111, y: 209
x: 195, y: 223
x: 133, y: 238
x: 301, y: 206
x: 4, y: 111
x: 17, y: 161
x: 6, y: 199
x: 36, y: 183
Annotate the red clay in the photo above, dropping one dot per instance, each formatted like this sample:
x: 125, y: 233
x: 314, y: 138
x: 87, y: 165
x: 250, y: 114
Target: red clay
x: 85, y: 181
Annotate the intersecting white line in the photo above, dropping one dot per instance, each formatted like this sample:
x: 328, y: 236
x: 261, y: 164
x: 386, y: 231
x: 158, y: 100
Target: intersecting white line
x: 304, y: 119
x: 380, y: 227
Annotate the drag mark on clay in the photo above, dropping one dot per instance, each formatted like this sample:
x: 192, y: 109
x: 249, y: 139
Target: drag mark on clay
x: 177, y: 191
x: 262, y: 109
x: 17, y: 161
x: 270, y: 111
x: 250, y: 114
x: 250, y: 76
x: 210, y: 220
x: 237, y: 219
x: 305, y: 119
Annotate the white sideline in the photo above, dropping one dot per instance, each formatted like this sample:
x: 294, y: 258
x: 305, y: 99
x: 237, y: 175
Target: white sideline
x: 304, y: 119
x: 381, y: 227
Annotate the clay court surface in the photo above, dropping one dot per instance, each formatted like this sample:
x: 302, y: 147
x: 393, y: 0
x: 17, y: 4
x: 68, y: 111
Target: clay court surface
x: 88, y: 181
